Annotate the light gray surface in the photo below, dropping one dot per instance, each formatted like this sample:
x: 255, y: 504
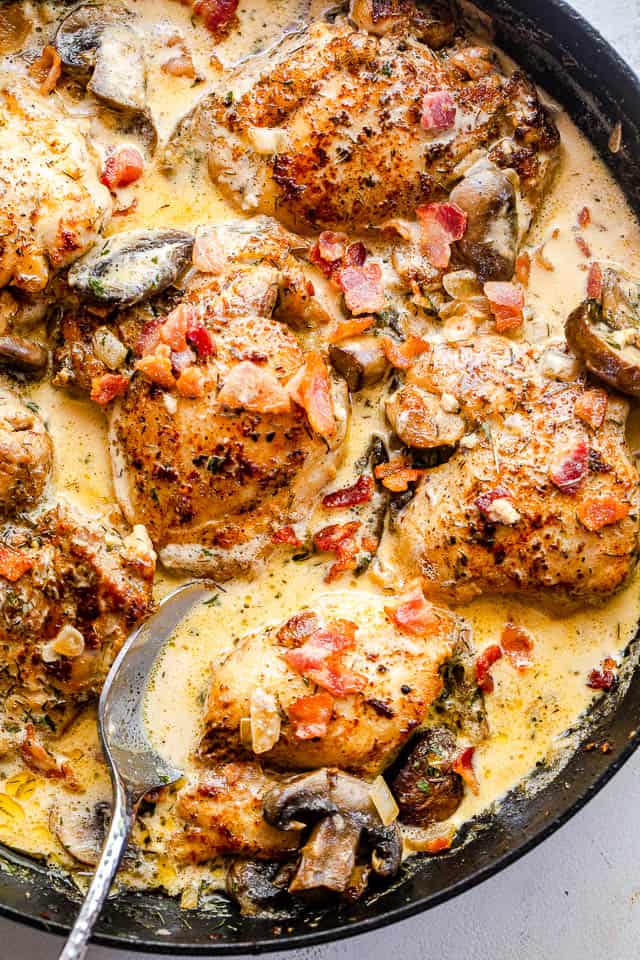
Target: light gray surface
x: 576, y: 896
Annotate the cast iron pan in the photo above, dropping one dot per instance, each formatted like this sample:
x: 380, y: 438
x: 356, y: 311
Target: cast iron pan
x: 573, y: 62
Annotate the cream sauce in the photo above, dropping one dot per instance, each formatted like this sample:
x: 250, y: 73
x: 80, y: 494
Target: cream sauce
x: 529, y: 713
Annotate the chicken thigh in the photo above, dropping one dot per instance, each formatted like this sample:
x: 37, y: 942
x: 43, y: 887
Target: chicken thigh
x: 26, y: 454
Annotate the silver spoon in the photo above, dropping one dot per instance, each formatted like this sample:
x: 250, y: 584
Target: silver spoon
x: 134, y: 764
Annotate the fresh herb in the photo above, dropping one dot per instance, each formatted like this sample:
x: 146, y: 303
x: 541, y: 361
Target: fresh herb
x: 424, y: 786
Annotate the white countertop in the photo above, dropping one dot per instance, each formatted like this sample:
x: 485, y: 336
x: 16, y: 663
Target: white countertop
x: 576, y: 896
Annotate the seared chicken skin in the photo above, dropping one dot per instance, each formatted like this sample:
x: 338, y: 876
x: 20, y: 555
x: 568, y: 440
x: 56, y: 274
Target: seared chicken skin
x: 540, y: 498
x: 345, y: 129
x: 26, y: 454
x: 216, y: 459
x: 52, y: 204
x: 71, y: 589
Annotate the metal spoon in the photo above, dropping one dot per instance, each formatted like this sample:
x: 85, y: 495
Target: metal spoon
x: 134, y: 765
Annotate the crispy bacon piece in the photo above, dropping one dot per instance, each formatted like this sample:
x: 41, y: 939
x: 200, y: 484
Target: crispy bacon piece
x: 156, y: 367
x: 149, y: 337
x: 191, y: 383
x: 591, y: 407
x: 583, y: 246
x: 463, y: 766
x: 339, y: 538
x: 332, y: 246
x: 506, y: 301
x: 584, y: 217
x: 13, y: 563
x: 218, y: 15
x: 251, y: 387
x: 286, y: 535
x: 497, y: 506
x: 568, y: 472
x: 310, y: 388
x: 517, y: 644
x: 438, y: 845
x: 398, y: 481
x: 441, y: 225
x: 320, y: 659
x: 523, y: 268
x: 351, y: 328
x: 40, y: 760
x: 311, y: 715
x: 359, y: 492
x: 605, y: 677
x: 484, y: 662
x: 106, y: 388
x: 362, y: 287
x: 401, y: 355
x: 356, y: 254
x: 122, y: 167
x: 594, y: 282
x: 201, y: 340
x: 49, y: 67
x: 415, y: 615
x: 173, y: 330
x: 438, y: 111
x: 594, y: 513
x: 297, y: 627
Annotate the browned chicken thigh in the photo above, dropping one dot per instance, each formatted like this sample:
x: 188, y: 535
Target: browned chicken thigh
x: 26, y: 454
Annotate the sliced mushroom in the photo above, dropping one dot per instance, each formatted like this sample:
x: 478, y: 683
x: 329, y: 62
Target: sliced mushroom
x: 79, y: 35
x: 605, y: 334
x: 346, y: 830
x: 420, y: 420
x: 258, y: 885
x: 131, y: 267
x: 360, y: 360
x: 425, y: 787
x: 489, y: 245
x: 81, y: 830
x: 24, y: 356
x: 119, y: 74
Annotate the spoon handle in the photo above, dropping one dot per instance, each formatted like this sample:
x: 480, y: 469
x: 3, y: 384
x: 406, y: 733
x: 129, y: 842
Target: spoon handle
x: 112, y: 852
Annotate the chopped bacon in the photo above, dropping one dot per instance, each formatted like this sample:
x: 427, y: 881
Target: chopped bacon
x: 48, y: 66
x: 191, y: 383
x: 359, y: 492
x: 583, y: 246
x: 463, y: 766
x: 251, y: 387
x: 568, y: 472
x: 320, y: 659
x: 356, y: 254
x: 396, y: 475
x: 156, y: 367
x: 286, y: 535
x: 311, y: 715
x: 362, y: 287
x: 201, y: 340
x: 310, y: 388
x: 350, y: 328
x: 523, y: 268
x: 484, y: 662
x: 438, y: 111
x: 441, y: 224
x: 594, y: 282
x: 584, y: 217
x: 182, y: 361
x: 297, y: 627
x: 332, y: 246
x: 595, y: 513
x: 591, y: 407
x: 40, y: 760
x: 208, y: 255
x: 149, y: 337
x: 13, y: 563
x: 106, y: 388
x: 604, y: 678
x: 489, y: 503
x: 415, y: 615
x: 438, y: 845
x: 517, y: 643
x: 339, y: 538
x: 122, y: 167
x: 506, y: 301
x: 218, y: 15
x: 401, y: 355
x: 173, y: 330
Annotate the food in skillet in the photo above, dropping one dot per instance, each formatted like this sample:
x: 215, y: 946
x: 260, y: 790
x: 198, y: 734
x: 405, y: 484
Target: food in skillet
x: 305, y: 304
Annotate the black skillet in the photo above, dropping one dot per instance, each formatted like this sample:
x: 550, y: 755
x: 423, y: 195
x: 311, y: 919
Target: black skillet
x: 573, y: 62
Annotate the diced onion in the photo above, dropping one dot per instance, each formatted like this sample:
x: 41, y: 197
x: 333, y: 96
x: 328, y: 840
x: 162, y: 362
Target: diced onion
x: 265, y: 721
x: 384, y: 801
x: 462, y: 284
x: 111, y: 351
x: 69, y: 642
x: 267, y: 140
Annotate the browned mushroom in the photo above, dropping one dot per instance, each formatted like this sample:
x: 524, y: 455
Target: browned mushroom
x: 434, y: 22
x: 426, y: 787
x: 421, y: 419
x: 360, y: 360
x: 489, y: 245
x: 24, y: 356
x: 258, y: 886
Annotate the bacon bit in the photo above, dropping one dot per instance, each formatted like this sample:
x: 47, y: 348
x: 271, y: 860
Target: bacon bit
x: 13, y: 563
x: 156, y: 367
x: 310, y: 388
x: 201, y: 340
x: 463, y: 766
x: 191, y: 383
x: 483, y: 665
x: 542, y: 259
x: 311, y: 715
x: 497, y: 506
x: 122, y: 167
x: 320, y: 659
x: 604, y: 678
x: 415, y: 615
x: 286, y: 535
x: 208, y: 252
x: 40, y: 760
x: 332, y: 246
x: 106, y: 388
x: 441, y: 224
x: 438, y: 845
x: 217, y: 15
x: 594, y: 282
x: 583, y: 246
x: 438, y: 111
x: 362, y: 288
x: 396, y: 475
x: 351, y: 328
x: 338, y: 538
x: 359, y: 492
x: 523, y: 269
x: 149, y: 337
x: 49, y: 66
x: 180, y: 66
x: 356, y: 254
x: 297, y: 627
x: 569, y: 472
x: 598, y: 512
x: 173, y: 331
x: 591, y: 407
x: 506, y: 301
x: 584, y: 217
x: 401, y: 355
x: 517, y: 644
x: 251, y: 387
